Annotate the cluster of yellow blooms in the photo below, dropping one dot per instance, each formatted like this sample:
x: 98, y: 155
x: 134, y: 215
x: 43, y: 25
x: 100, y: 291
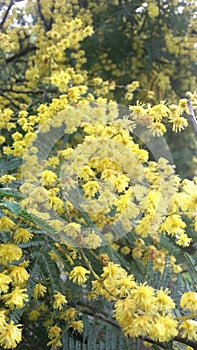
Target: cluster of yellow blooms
x: 132, y: 306
x: 101, y: 172
x: 90, y: 183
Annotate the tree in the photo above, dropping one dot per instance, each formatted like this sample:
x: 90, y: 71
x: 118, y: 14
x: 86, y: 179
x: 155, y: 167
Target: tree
x: 96, y: 225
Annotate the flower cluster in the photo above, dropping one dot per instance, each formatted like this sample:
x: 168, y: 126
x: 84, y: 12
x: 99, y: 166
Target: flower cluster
x: 92, y: 211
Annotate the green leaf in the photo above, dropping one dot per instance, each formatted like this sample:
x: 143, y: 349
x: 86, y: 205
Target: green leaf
x: 9, y: 163
x: 8, y: 192
x: 51, y: 270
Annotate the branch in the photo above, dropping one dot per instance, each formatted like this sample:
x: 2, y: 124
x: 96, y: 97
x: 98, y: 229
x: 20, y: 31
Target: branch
x: 41, y: 15
x: 186, y: 342
x: 6, y: 13
x: 23, y: 52
x: 192, y: 116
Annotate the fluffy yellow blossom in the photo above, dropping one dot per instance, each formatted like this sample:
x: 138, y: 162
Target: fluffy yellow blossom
x: 22, y: 235
x: 68, y: 314
x: 91, y: 188
x: 5, y: 280
x: 33, y: 315
x: 121, y: 182
x: 163, y: 329
x: 157, y: 128
x: 138, y: 325
x: 173, y: 225
x: 124, y: 310
x: 77, y: 326
x: 153, y: 10
x: 92, y: 241
x: 159, y: 111
x: 143, y: 296
x: 16, y: 298
x: 39, y: 290
x: 9, y: 253
x: 125, y: 250
x: 178, y: 123
x: 183, y: 240
x: 78, y: 275
x: 163, y: 301
x: 7, y: 178
x: 85, y: 173
x: 113, y: 272
x: 6, y: 223
x: 59, y: 301
x: 10, y: 335
x: 2, y: 139
x: 48, y: 178
x: 54, y: 332
x: 19, y: 275
x: 189, y: 329
x: 189, y: 301
x: 72, y: 229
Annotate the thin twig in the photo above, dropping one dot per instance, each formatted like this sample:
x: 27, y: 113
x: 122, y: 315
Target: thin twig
x: 6, y: 13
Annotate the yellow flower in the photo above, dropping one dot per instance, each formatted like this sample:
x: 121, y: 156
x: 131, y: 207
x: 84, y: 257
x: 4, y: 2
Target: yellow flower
x: 189, y: 301
x: 16, y: 298
x: 4, y: 282
x: 153, y: 10
x: 159, y: 111
x: 143, y: 296
x: 33, y: 315
x: 124, y: 310
x: 22, y: 235
x: 92, y: 241
x: 91, y: 188
x: 139, y: 325
x: 10, y: 335
x: 60, y: 301
x: 125, y: 250
x: 68, y: 314
x: 178, y: 123
x: 18, y: 274
x: 6, y: 224
x: 163, y: 329
x: 7, y: 178
x: 132, y: 86
x: 183, y: 104
x: 54, y: 332
x: 189, y: 329
x: 183, y: 240
x: 157, y: 128
x: 113, y: 271
x: 9, y: 253
x: 121, y: 182
x: 78, y: 275
x: 163, y: 301
x: 39, y: 290
x: 77, y: 326
x: 2, y: 140
x: 125, y: 285
x: 85, y: 173
x: 72, y: 229
x: 48, y: 178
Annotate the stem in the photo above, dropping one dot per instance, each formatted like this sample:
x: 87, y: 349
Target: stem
x: 186, y: 317
x: 89, y: 266
x: 94, y: 273
x: 192, y: 116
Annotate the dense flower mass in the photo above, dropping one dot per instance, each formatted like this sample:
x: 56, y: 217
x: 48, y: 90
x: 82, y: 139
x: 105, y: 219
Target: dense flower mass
x: 97, y: 224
